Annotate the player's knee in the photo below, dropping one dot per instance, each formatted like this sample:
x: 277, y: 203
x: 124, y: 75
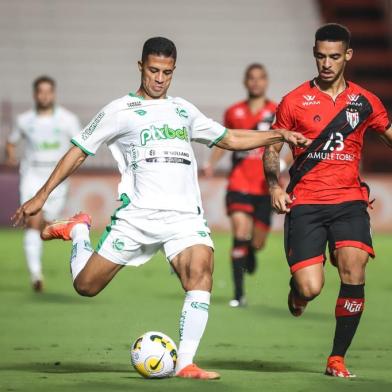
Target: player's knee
x: 258, y: 245
x: 85, y: 288
x: 199, y: 278
x: 310, y: 290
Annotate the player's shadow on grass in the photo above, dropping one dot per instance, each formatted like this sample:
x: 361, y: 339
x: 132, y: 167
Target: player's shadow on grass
x: 257, y: 366
x: 68, y: 367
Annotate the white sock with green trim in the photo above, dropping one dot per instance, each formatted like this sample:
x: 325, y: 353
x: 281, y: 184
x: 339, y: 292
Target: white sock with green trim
x: 193, y: 322
x: 32, y: 244
x: 81, y: 248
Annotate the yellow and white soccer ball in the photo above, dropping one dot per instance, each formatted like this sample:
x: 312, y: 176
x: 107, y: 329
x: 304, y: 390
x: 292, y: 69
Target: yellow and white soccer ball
x: 154, y: 355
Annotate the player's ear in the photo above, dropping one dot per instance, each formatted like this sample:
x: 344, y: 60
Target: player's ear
x: 140, y: 65
x: 314, y: 51
x: 349, y: 54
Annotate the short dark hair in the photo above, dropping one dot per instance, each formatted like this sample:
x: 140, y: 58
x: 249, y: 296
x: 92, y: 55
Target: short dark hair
x: 333, y: 32
x: 159, y: 46
x: 253, y: 66
x: 43, y: 79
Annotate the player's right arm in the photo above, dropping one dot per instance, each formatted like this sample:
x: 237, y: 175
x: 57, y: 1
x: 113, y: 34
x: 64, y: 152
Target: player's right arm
x: 280, y: 199
x: 65, y: 167
x: 10, y: 148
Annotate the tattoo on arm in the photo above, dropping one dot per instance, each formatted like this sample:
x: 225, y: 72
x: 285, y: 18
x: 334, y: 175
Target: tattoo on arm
x: 271, y: 166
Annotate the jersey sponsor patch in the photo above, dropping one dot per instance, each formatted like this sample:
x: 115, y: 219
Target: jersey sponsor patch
x: 164, y: 133
x: 92, y: 126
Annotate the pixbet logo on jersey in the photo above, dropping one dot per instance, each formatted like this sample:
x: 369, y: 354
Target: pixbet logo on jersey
x: 309, y: 100
x: 164, y: 133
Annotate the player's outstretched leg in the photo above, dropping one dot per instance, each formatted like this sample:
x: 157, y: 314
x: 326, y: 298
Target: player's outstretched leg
x: 194, y: 267
x: 349, y: 307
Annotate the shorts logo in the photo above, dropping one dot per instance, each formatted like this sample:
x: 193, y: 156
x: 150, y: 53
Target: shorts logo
x: 309, y: 100
x: 118, y: 244
x: 164, y: 133
x: 202, y: 233
x: 352, y: 116
x: 91, y: 127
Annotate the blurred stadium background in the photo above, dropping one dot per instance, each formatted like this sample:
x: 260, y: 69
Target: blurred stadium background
x: 91, y: 49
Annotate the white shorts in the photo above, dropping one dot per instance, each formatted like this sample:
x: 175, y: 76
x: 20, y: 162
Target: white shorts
x: 135, y: 235
x: 30, y: 183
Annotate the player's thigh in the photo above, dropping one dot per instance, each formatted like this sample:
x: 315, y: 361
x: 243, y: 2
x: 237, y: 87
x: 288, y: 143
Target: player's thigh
x: 194, y: 266
x: 262, y: 220
x: 96, y: 274
x: 240, y: 209
x: 305, y: 237
x: 242, y: 225
x: 350, y: 227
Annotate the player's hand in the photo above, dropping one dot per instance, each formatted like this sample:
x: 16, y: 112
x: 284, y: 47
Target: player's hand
x: 31, y: 207
x: 280, y: 200
x: 295, y: 138
x: 11, y: 162
x: 207, y: 170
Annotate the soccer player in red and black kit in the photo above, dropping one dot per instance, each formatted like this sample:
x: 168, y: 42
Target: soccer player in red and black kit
x: 326, y: 201
x: 247, y: 200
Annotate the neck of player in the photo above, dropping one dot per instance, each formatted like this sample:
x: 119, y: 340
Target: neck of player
x: 141, y: 92
x: 333, y: 88
x: 256, y: 103
x: 45, y: 111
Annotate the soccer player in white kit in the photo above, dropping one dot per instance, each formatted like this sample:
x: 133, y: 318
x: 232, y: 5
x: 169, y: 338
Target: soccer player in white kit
x: 46, y: 130
x: 150, y: 134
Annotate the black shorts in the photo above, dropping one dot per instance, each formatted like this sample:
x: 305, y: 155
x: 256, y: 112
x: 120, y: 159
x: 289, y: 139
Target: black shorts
x: 309, y: 227
x: 259, y: 207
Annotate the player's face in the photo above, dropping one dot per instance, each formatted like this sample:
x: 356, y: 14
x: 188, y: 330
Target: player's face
x: 256, y: 82
x: 157, y: 73
x: 44, y: 96
x: 331, y: 59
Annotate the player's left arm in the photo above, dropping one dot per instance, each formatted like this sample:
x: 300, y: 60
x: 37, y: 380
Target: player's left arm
x: 386, y: 137
x: 240, y: 139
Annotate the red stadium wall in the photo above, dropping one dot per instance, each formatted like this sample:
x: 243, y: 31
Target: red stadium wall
x: 96, y: 194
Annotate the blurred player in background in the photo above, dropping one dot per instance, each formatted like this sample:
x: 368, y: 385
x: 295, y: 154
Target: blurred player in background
x: 46, y: 130
x: 149, y: 134
x: 248, y: 202
x: 326, y: 201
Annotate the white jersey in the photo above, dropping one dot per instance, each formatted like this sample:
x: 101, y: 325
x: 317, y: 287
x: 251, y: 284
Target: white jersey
x: 47, y: 138
x: 151, y: 142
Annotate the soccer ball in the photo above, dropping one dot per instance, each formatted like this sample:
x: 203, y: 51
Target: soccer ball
x: 154, y: 355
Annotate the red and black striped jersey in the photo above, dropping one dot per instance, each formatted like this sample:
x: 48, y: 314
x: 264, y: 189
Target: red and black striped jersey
x: 247, y: 173
x: 327, y: 172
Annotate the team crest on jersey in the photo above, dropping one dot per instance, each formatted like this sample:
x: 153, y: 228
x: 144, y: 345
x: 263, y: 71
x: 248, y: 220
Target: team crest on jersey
x: 352, y: 116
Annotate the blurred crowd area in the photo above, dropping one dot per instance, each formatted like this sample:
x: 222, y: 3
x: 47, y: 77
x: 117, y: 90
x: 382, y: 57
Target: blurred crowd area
x: 91, y: 48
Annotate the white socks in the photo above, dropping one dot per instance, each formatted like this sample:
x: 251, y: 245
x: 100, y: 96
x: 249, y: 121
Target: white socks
x: 193, y: 322
x: 81, y: 248
x: 33, y: 249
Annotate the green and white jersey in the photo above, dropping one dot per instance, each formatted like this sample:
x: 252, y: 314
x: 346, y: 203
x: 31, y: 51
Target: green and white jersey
x: 151, y: 142
x: 47, y: 138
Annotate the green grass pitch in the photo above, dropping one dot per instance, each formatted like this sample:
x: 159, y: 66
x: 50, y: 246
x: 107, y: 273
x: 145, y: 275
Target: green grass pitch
x: 58, y: 341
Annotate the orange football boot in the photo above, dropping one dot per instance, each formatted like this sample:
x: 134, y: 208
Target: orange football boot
x: 337, y: 368
x: 193, y: 371
x: 61, y: 229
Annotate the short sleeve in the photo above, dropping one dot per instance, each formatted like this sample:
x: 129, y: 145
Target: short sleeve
x: 378, y: 120
x: 205, y: 130
x: 16, y: 134
x: 284, y: 118
x: 100, y: 130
